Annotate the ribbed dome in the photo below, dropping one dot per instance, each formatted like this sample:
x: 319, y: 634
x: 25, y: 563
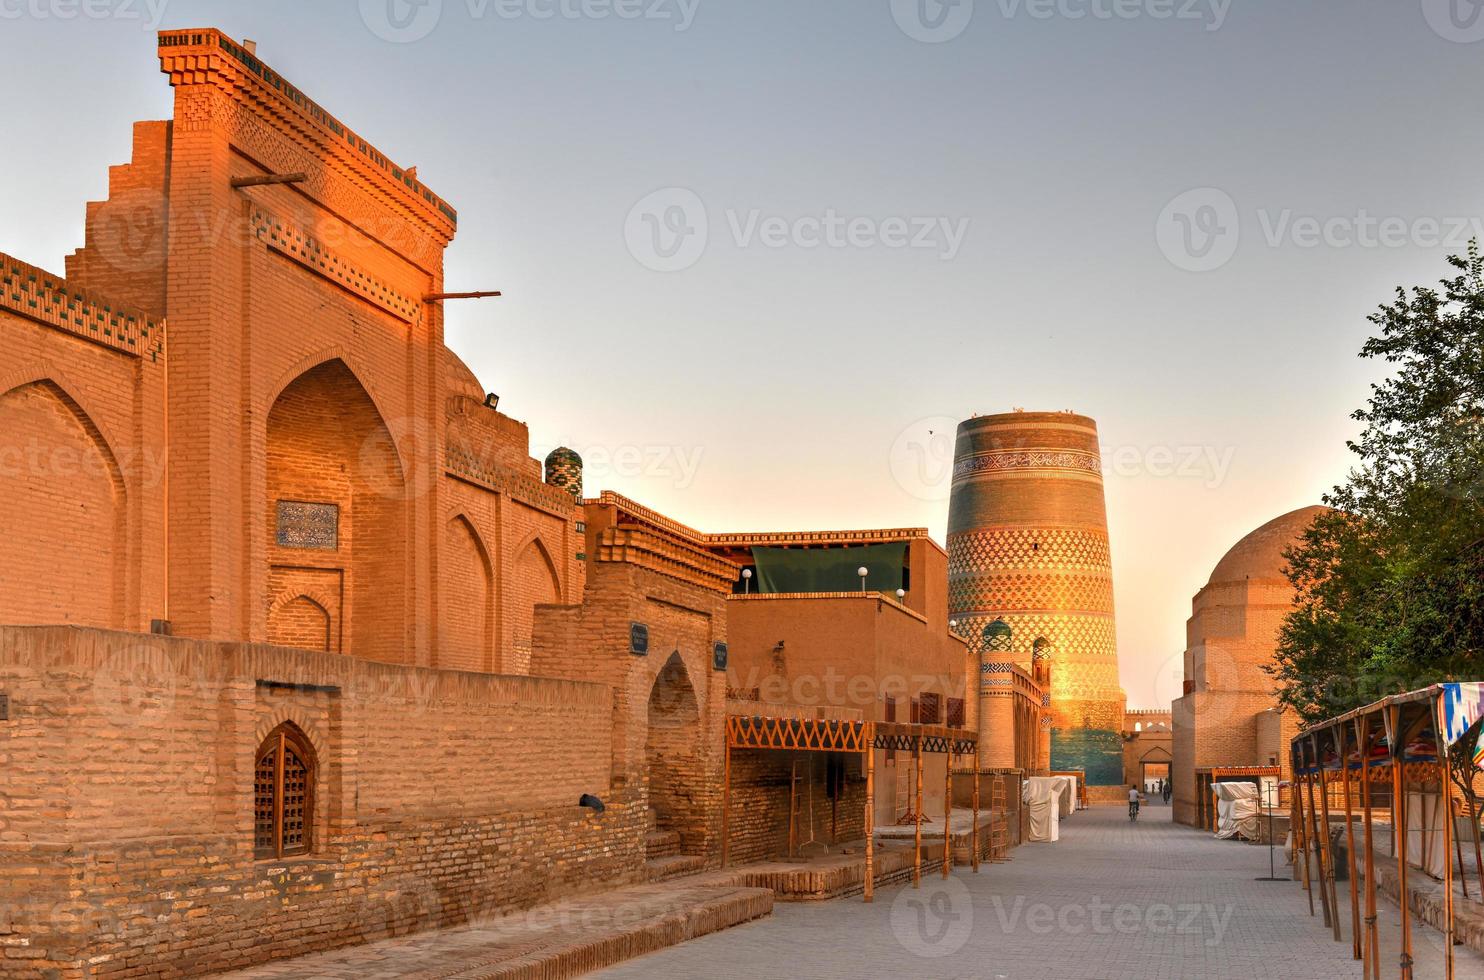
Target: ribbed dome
x: 1260, y: 554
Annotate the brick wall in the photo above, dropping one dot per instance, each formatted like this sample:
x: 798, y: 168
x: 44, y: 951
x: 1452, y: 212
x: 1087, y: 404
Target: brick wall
x: 758, y: 829
x: 592, y: 642
x: 128, y: 800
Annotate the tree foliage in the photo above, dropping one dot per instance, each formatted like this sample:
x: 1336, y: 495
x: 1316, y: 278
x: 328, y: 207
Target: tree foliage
x: 1389, y: 585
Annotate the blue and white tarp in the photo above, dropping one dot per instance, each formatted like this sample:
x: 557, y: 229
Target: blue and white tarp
x: 1463, y: 704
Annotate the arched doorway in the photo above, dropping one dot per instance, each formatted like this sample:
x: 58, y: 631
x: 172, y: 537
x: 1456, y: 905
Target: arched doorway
x: 673, y: 756
x: 1154, y: 770
x: 336, y: 515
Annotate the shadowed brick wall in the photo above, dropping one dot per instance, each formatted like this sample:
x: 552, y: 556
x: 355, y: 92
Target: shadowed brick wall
x: 761, y: 780
x: 440, y: 795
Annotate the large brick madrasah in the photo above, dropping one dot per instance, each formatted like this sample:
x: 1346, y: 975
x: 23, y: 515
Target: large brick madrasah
x: 297, y: 646
x: 1228, y: 714
x: 1030, y: 575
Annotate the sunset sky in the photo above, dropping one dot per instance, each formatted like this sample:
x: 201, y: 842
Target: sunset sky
x: 1174, y: 224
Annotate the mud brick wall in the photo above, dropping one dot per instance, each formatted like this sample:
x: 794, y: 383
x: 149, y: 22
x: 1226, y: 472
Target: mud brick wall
x: 126, y: 801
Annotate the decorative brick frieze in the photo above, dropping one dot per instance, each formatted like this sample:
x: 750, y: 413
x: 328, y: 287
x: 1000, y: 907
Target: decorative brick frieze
x: 299, y: 246
x: 1027, y: 460
x: 45, y: 298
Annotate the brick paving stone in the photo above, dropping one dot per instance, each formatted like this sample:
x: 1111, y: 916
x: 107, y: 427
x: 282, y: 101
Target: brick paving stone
x: 1111, y: 900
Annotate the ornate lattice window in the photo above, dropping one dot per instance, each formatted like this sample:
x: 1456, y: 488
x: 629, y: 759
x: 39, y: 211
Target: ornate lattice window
x: 955, y: 712
x: 283, y: 794
x: 929, y: 709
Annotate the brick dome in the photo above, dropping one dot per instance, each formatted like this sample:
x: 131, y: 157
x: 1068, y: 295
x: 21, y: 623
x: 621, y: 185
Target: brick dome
x: 1259, y: 555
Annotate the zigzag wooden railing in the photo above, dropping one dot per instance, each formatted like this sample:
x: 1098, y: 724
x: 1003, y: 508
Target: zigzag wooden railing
x: 808, y: 734
x: 836, y: 735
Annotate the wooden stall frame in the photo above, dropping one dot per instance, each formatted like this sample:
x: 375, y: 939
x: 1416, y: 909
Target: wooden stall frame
x: 861, y: 738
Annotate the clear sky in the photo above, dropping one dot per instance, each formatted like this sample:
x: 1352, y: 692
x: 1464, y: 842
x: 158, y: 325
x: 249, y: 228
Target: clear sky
x: 909, y: 212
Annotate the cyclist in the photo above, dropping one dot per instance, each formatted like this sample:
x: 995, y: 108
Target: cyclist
x: 1133, y: 803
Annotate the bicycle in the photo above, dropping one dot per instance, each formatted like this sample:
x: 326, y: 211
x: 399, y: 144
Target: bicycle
x: 1133, y: 812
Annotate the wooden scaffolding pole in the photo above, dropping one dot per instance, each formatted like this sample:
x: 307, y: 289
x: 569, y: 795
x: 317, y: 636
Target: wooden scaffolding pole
x: 947, y: 808
x: 1399, y: 833
x: 1340, y: 735
x: 870, y: 753
x: 1327, y: 869
x: 726, y: 799
x: 974, y: 830
x: 1315, y: 839
x: 1446, y: 802
x: 1300, y: 829
x: 1371, y: 950
x: 917, y: 819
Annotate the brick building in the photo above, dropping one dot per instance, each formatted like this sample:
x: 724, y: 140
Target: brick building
x: 1229, y: 715
x: 808, y: 636
x: 1147, y: 735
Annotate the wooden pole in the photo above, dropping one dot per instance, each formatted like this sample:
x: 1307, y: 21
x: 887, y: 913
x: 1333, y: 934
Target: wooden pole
x: 1300, y: 825
x: 793, y: 803
x: 917, y: 820
x: 479, y: 294
x: 947, y: 808
x: 870, y: 753
x: 1474, y: 833
x: 1327, y: 868
x: 1318, y: 845
x: 1447, y: 804
x: 1399, y: 833
x: 258, y: 181
x: 1340, y: 735
x: 974, y: 831
x: 1372, y: 949
x: 726, y: 800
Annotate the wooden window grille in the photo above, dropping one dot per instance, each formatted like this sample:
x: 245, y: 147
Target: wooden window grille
x: 283, y: 794
x: 955, y: 712
x: 929, y: 709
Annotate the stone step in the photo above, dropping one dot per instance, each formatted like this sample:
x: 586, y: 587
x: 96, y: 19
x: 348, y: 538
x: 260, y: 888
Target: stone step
x: 672, y: 866
x: 661, y: 843
x: 566, y: 939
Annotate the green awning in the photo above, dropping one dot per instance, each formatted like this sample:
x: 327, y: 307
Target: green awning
x: 830, y: 569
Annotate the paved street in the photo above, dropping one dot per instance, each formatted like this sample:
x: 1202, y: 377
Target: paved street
x: 1110, y: 900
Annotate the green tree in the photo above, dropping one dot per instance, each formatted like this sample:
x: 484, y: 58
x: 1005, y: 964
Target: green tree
x: 1389, y: 587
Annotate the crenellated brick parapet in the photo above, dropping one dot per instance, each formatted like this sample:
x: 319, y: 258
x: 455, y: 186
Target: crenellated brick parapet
x: 541, y: 496
x: 38, y: 295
